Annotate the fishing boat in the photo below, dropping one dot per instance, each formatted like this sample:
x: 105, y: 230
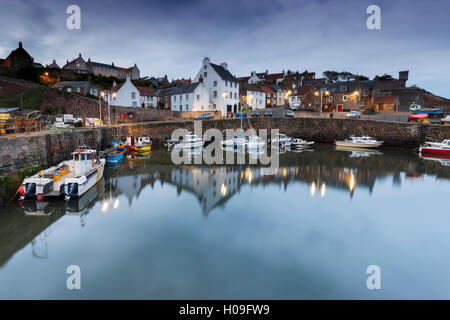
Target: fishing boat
x: 297, y: 143
x: 238, y: 140
x: 436, y: 147
x: 360, y: 142
x: 189, y: 141
x: 114, y: 157
x: 254, y: 142
x: 281, y: 139
x: 417, y: 108
x: 144, y: 144
x: 71, y: 178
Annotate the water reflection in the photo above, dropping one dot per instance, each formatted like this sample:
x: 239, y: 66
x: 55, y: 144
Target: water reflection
x: 326, y: 175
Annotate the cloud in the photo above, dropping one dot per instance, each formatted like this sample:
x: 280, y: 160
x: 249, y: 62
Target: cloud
x: 171, y: 37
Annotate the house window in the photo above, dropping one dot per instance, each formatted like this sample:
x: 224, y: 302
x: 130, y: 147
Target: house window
x: 235, y: 84
x: 181, y: 97
x: 205, y: 66
x: 330, y: 99
x: 174, y: 98
x: 134, y: 104
x: 235, y: 95
x: 205, y: 74
x: 215, y: 94
x: 187, y: 96
x: 181, y: 107
x: 215, y: 84
x: 344, y: 98
x: 362, y: 102
x: 344, y: 88
x: 133, y: 95
x: 187, y: 107
x: 78, y: 90
x: 226, y: 83
x: 198, y: 97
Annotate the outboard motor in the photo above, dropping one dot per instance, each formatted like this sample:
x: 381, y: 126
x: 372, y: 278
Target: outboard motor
x: 31, y: 190
x: 72, y: 190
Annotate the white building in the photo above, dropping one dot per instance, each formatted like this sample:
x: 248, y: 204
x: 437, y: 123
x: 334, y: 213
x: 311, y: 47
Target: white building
x: 125, y: 95
x: 222, y: 86
x: 148, y: 97
x: 255, y: 97
x: 281, y: 95
x: 254, y: 78
x: 190, y: 97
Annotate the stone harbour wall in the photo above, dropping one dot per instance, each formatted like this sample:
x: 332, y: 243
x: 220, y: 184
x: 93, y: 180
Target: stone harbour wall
x: 27, y: 150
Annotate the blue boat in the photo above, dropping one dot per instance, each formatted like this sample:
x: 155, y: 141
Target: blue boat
x: 114, y: 157
x: 417, y: 109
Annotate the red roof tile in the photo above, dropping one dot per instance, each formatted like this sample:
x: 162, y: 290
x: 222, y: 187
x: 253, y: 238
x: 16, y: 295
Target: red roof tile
x: 146, y: 91
x: 117, y: 88
x: 267, y: 90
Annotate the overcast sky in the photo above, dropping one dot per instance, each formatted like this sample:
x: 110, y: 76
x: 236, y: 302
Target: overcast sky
x: 172, y: 36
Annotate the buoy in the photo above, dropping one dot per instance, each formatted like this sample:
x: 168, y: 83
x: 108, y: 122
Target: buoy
x: 21, y: 190
x: 41, y: 174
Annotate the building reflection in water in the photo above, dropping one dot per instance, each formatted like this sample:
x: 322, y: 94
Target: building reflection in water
x: 212, y: 186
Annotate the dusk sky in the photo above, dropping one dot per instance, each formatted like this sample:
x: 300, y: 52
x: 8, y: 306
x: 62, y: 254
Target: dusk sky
x: 172, y: 37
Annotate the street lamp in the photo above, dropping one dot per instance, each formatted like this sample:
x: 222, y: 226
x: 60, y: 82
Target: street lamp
x: 101, y: 95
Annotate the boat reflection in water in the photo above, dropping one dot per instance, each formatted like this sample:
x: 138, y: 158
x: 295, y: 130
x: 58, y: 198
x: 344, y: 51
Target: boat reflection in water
x: 156, y: 218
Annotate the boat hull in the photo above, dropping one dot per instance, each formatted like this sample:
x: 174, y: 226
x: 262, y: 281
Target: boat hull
x: 349, y: 144
x: 92, y: 178
x: 143, y: 149
x: 114, y: 158
x: 434, y: 150
x: 190, y: 145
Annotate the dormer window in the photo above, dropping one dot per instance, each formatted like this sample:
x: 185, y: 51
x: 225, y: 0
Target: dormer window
x: 205, y: 74
x: 343, y: 88
x: 215, y: 84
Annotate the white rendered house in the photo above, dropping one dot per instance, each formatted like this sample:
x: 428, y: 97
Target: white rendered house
x: 222, y: 86
x: 190, y: 97
x: 125, y: 95
x: 256, y: 99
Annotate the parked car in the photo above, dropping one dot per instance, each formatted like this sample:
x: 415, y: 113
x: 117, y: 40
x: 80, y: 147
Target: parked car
x: 268, y: 113
x: 243, y: 115
x: 204, y: 116
x: 369, y: 110
x: 289, y: 113
x: 295, y: 106
x: 255, y: 113
x: 353, y: 115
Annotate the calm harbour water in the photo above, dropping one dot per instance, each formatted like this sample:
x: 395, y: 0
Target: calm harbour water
x: 153, y: 230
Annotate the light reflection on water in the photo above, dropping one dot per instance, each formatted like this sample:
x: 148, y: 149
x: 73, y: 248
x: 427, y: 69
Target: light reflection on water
x: 150, y: 229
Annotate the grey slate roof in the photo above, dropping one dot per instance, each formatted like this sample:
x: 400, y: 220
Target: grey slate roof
x: 188, y: 88
x: 336, y: 86
x: 223, y: 73
x: 103, y: 65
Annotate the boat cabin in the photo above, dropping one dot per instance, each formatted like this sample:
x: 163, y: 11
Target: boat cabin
x: 144, y: 140
x: 83, y: 161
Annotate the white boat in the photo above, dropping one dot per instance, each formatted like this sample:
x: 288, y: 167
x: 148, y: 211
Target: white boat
x: 281, y: 139
x: 190, y: 141
x: 238, y: 140
x: 360, y: 142
x: 254, y: 142
x: 436, y: 147
x: 297, y: 143
x: 71, y: 178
